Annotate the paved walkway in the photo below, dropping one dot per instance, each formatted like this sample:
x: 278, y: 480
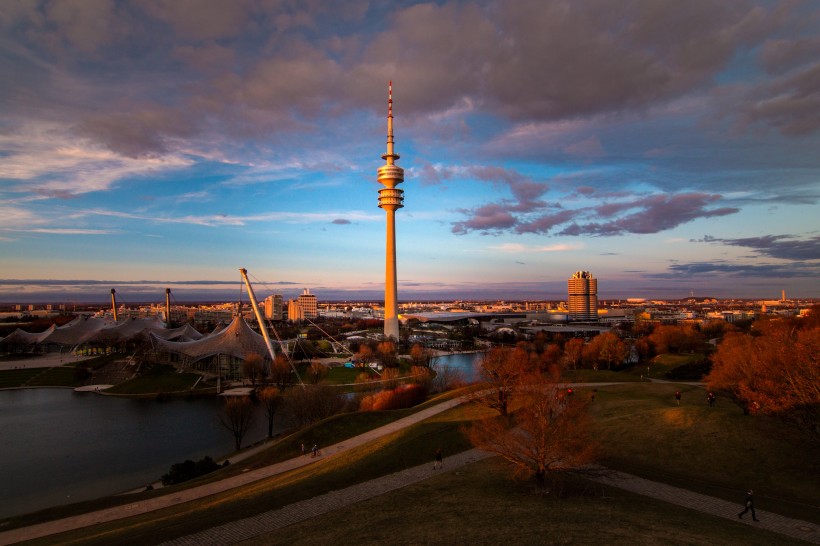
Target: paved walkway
x: 263, y: 523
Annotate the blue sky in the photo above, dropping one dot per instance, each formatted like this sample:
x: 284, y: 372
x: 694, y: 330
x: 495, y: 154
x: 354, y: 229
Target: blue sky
x: 668, y: 147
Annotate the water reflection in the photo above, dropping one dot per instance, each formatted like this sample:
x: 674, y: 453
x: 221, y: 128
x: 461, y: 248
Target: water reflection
x: 60, y: 446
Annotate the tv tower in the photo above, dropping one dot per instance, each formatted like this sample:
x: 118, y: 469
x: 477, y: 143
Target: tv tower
x: 391, y: 198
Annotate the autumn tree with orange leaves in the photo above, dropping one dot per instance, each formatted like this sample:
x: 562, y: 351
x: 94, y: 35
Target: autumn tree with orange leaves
x: 775, y: 370
x: 548, y: 433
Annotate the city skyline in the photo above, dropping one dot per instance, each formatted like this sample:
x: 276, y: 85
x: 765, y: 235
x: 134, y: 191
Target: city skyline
x: 669, y: 148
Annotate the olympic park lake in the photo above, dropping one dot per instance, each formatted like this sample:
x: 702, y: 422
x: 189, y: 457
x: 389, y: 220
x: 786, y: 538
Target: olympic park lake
x: 58, y: 446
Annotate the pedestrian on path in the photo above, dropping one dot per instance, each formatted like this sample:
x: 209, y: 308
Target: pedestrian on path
x: 315, y: 450
x: 303, y: 449
x: 437, y: 463
x: 677, y: 397
x: 711, y: 399
x: 750, y: 505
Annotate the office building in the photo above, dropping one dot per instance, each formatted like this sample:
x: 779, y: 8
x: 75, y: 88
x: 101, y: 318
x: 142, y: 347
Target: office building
x: 583, y: 297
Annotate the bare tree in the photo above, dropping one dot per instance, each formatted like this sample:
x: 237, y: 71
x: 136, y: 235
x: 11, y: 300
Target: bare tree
x: 420, y: 355
x: 388, y: 354
x: 305, y: 406
x: 317, y: 371
x: 269, y: 396
x: 501, y: 369
x: 253, y: 367
x: 237, y: 416
x: 549, y: 434
x: 281, y: 373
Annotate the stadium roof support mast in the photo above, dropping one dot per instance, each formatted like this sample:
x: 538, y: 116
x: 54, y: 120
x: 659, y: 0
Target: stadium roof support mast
x: 168, y: 307
x: 114, y: 304
x: 259, y: 318
x: 391, y: 199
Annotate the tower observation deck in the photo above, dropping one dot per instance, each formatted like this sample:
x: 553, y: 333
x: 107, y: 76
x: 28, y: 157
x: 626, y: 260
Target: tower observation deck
x: 391, y: 199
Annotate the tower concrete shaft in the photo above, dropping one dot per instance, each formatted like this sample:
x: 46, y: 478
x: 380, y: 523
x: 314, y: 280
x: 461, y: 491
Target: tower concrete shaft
x: 391, y: 199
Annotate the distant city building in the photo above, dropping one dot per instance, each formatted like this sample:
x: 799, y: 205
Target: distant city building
x: 295, y: 311
x: 583, y: 296
x: 307, y: 302
x: 274, y: 307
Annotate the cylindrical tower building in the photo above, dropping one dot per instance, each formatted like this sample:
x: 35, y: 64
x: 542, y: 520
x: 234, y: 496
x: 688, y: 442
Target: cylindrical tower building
x: 583, y: 296
x: 391, y: 199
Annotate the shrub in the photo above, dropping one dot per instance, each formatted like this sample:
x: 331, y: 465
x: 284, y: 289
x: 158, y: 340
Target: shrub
x: 188, y: 470
x: 403, y: 396
x: 693, y: 371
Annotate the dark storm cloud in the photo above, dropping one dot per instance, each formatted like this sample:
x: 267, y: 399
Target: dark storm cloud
x: 786, y: 247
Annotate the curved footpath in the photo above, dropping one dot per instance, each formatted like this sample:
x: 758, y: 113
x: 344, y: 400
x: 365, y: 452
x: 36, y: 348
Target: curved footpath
x: 243, y: 529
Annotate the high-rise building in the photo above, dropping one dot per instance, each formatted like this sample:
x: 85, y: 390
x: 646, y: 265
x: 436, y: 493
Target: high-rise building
x: 295, y: 311
x: 307, y: 302
x: 274, y: 307
x: 391, y: 199
x: 583, y: 296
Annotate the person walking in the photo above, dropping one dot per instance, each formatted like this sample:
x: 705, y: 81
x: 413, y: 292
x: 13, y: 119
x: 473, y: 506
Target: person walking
x: 750, y: 505
x: 711, y: 399
x: 315, y: 450
x: 437, y: 463
x: 677, y: 397
x: 304, y: 452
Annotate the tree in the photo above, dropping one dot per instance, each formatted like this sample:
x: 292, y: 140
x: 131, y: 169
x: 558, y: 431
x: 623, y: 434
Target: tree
x: 253, y: 367
x: 269, y: 397
x: 501, y: 369
x: 303, y: 406
x: 420, y: 355
x: 238, y: 416
x: 388, y: 354
x: 611, y: 350
x: 550, y: 433
x: 573, y: 350
x: 281, y: 373
x: 669, y: 338
x: 775, y: 372
x: 317, y: 371
x: 364, y: 355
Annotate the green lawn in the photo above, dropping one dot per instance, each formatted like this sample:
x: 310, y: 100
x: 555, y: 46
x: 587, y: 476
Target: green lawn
x: 16, y: 378
x: 64, y: 376
x: 717, y: 451
x: 156, y: 383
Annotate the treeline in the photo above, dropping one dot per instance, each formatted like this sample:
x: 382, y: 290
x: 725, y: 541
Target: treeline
x: 773, y: 369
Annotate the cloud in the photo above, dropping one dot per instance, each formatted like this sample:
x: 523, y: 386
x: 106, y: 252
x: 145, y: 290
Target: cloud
x: 642, y: 215
x: 790, y: 103
x: 695, y: 269
x: 341, y: 222
x: 786, y: 247
x: 486, y: 219
x: 529, y: 249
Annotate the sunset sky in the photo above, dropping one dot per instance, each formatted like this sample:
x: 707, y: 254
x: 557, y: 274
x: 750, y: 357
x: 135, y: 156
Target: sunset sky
x: 669, y: 147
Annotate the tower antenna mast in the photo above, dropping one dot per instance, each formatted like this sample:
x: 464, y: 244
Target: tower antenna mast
x: 391, y: 199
